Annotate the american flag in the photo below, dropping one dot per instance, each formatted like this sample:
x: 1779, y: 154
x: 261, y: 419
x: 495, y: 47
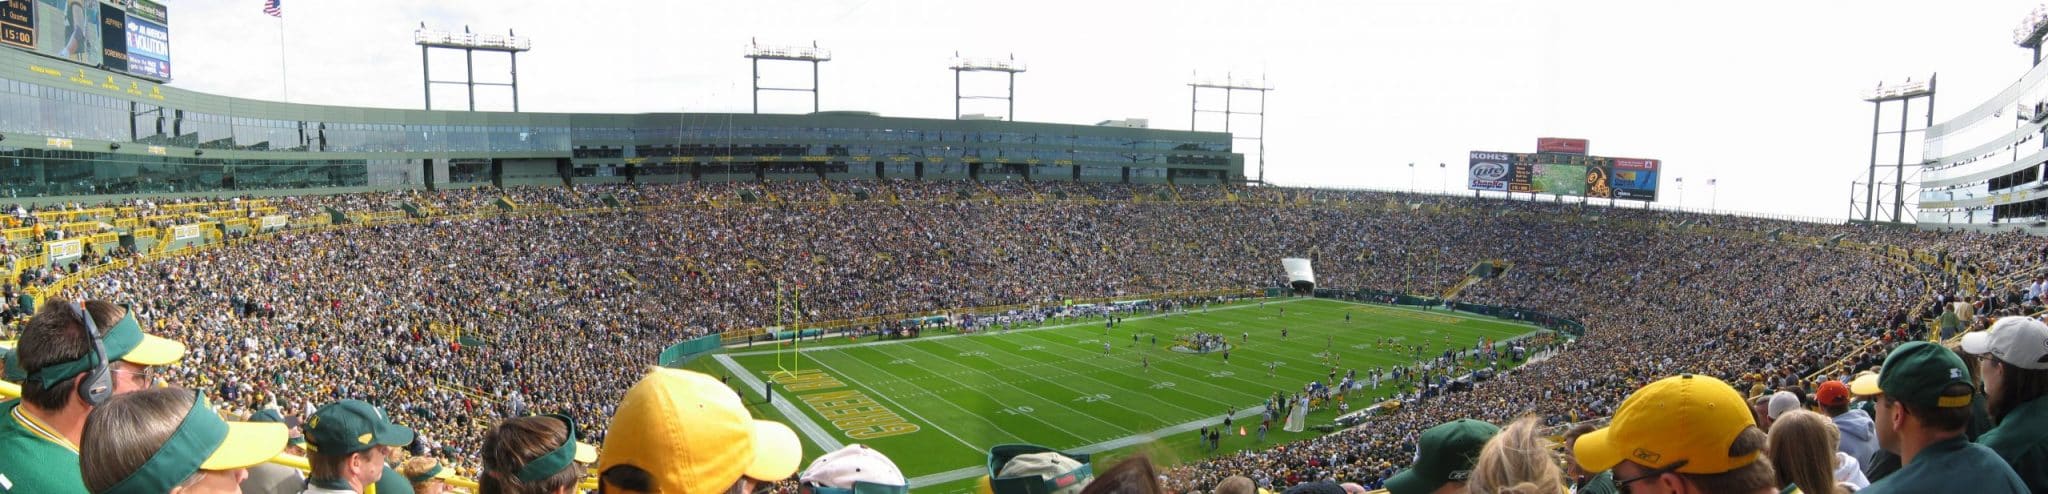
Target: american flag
x: 273, y: 7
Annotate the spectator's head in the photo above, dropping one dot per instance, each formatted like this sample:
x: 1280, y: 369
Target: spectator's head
x: 1518, y: 460
x: 533, y: 455
x: 1571, y: 437
x: 1444, y: 458
x: 1922, y: 395
x: 1685, y: 433
x: 1318, y: 487
x: 1031, y: 469
x: 296, y: 444
x: 1134, y: 475
x: 169, y: 440
x: 426, y: 474
x: 1833, y: 397
x: 348, y: 442
x: 1802, y: 450
x: 681, y: 432
x: 1781, y: 402
x: 60, y: 354
x: 2012, y: 360
x: 854, y: 469
x: 1236, y: 484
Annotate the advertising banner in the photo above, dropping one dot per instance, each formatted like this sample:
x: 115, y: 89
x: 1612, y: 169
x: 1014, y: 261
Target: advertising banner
x: 1635, y: 179
x: 149, y: 49
x: 1490, y: 170
x: 1561, y: 145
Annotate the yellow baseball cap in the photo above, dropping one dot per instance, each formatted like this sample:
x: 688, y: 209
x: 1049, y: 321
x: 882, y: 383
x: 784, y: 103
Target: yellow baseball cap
x: 1689, y: 418
x: 692, y: 434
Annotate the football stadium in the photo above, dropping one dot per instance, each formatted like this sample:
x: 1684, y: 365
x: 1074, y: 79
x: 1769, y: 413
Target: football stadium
x: 211, y: 289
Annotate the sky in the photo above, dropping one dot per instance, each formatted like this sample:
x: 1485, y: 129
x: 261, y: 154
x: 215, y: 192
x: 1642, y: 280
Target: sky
x: 1762, y: 97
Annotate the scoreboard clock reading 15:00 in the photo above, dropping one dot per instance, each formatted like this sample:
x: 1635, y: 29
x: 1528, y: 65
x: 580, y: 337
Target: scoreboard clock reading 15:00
x: 17, y: 23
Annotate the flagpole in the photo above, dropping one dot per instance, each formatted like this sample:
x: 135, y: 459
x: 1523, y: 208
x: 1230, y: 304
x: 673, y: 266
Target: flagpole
x: 285, y: 72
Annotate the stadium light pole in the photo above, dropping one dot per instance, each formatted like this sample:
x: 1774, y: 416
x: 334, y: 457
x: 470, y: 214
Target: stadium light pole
x: 1713, y: 195
x: 1411, y: 176
x: 1681, y: 192
x: 1443, y: 178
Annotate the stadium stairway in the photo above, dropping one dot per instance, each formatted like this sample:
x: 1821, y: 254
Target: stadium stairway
x: 1493, y: 269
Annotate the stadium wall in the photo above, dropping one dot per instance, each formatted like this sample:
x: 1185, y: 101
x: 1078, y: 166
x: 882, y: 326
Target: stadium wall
x: 1982, y: 170
x: 72, y: 131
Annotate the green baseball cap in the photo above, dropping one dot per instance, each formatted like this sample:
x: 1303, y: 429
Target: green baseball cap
x: 1917, y: 373
x: 348, y: 426
x: 393, y: 482
x: 1445, y: 453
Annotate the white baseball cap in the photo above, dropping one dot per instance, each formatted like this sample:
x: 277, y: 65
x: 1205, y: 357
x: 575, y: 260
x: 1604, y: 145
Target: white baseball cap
x: 854, y: 465
x: 2017, y: 341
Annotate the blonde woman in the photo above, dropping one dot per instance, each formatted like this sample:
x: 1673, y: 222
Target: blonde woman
x: 1519, y: 460
x: 1803, y: 450
x: 426, y: 474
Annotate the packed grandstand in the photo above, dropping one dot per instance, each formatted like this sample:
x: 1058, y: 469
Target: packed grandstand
x: 471, y: 309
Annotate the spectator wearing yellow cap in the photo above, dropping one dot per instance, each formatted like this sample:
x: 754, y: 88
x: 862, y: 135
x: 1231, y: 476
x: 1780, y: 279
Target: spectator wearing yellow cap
x: 347, y: 444
x: 681, y: 432
x: 2013, y: 360
x: 1685, y: 433
x: 426, y: 474
x: 534, y: 455
x: 1923, y: 405
x: 170, y: 441
x: 1444, y: 458
x: 71, y: 363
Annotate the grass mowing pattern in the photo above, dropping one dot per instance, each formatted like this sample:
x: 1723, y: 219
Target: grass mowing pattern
x: 1056, y: 387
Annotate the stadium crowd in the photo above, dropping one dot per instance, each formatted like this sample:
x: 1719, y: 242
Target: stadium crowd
x: 454, y: 324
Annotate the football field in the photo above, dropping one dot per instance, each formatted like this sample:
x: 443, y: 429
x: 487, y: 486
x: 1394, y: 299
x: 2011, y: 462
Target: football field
x: 935, y: 404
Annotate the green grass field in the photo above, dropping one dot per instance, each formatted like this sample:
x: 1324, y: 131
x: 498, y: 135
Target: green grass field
x: 936, y: 404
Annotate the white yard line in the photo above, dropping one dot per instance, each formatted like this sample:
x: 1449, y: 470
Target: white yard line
x: 796, y: 417
x: 912, y: 412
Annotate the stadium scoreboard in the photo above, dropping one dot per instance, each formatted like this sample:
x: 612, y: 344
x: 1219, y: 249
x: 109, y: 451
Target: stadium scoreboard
x: 126, y: 36
x: 1562, y: 167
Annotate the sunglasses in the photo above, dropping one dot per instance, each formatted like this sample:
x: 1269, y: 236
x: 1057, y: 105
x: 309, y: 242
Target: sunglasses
x: 1622, y: 485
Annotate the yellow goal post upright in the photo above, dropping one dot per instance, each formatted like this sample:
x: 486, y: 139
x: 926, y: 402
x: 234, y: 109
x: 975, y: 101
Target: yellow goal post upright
x: 789, y: 314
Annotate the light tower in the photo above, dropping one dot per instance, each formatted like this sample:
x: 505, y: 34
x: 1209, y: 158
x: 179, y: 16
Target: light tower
x: 510, y: 44
x: 812, y: 54
x: 1229, y: 86
x: 1009, y: 66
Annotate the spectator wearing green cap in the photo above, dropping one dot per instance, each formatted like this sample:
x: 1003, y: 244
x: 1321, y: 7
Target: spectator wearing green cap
x: 71, y: 365
x: 1923, y: 405
x: 170, y: 440
x: 347, y: 443
x: 2013, y: 360
x: 272, y: 478
x: 534, y: 455
x: 1444, y: 458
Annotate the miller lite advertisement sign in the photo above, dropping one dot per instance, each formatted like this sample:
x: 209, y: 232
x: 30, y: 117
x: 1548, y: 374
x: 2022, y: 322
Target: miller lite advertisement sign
x: 1490, y: 170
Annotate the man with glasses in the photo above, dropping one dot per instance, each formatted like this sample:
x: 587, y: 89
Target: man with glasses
x: 1682, y: 434
x: 60, y: 355
x: 1923, y: 400
x: 347, y: 444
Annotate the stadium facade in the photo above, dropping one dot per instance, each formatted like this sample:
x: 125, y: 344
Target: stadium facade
x: 1983, y: 168
x: 73, y: 131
